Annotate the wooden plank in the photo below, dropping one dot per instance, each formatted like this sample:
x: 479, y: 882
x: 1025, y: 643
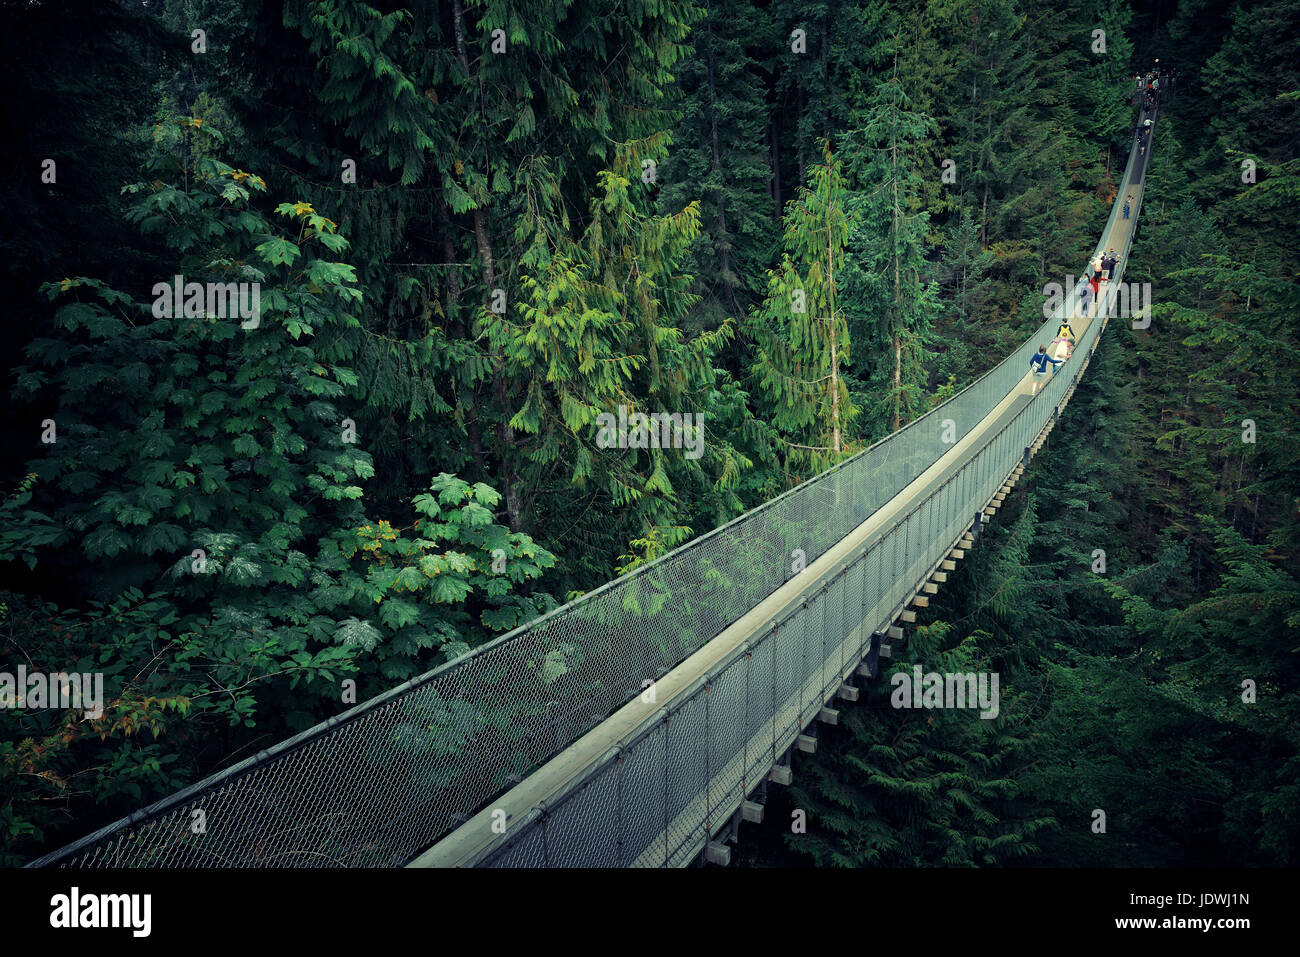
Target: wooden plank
x: 909, y: 616
x: 939, y: 577
x: 930, y: 589
x: 958, y: 553
x: 948, y: 566
x: 751, y: 811
x: 848, y: 692
x: 828, y: 716
x: 894, y: 632
x: 719, y: 854
x: 920, y: 601
x: 781, y: 774
x: 806, y: 743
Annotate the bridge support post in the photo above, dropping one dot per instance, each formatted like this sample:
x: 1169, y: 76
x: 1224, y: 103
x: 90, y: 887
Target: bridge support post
x: 553, y: 718
x: 870, y: 666
x: 978, y: 525
x: 1024, y: 459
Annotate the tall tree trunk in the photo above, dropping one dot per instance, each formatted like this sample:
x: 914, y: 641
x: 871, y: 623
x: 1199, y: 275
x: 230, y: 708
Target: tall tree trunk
x: 775, y: 135
x: 898, y: 285
x: 505, y: 434
x: 452, y: 307
x: 799, y: 147
x: 826, y: 81
x: 724, y: 240
x: 835, y: 360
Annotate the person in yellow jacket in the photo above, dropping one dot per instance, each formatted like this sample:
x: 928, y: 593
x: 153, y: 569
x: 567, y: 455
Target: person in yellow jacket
x: 1066, y: 332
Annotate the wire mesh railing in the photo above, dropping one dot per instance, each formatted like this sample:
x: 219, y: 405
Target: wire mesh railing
x: 385, y: 780
x: 656, y: 797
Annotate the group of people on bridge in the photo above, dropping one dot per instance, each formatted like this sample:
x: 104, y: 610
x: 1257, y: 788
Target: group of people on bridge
x: 1149, y: 86
x: 1100, y: 269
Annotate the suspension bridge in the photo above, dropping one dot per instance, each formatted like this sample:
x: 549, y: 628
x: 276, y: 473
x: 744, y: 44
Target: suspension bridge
x: 638, y: 725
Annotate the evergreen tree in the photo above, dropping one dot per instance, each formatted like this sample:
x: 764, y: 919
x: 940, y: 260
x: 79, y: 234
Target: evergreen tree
x: 717, y: 159
x: 891, y: 296
x: 909, y: 787
x: 801, y: 332
x: 199, y: 482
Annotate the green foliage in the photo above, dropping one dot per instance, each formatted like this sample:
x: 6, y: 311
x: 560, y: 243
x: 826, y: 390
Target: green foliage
x: 427, y: 586
x: 922, y: 788
x: 887, y: 284
x: 801, y: 332
x: 399, y: 460
x: 718, y: 158
x: 202, y: 490
x: 598, y: 327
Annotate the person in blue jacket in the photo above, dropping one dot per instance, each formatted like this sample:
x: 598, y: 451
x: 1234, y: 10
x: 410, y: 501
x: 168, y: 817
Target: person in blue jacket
x: 1038, y: 364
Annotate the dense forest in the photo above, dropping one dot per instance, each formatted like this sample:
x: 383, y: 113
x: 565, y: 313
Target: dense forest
x: 475, y: 226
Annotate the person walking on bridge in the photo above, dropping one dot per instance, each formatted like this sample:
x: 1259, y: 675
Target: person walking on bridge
x: 1038, y: 366
x: 1128, y: 205
x: 1108, y: 262
x: 1091, y: 285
